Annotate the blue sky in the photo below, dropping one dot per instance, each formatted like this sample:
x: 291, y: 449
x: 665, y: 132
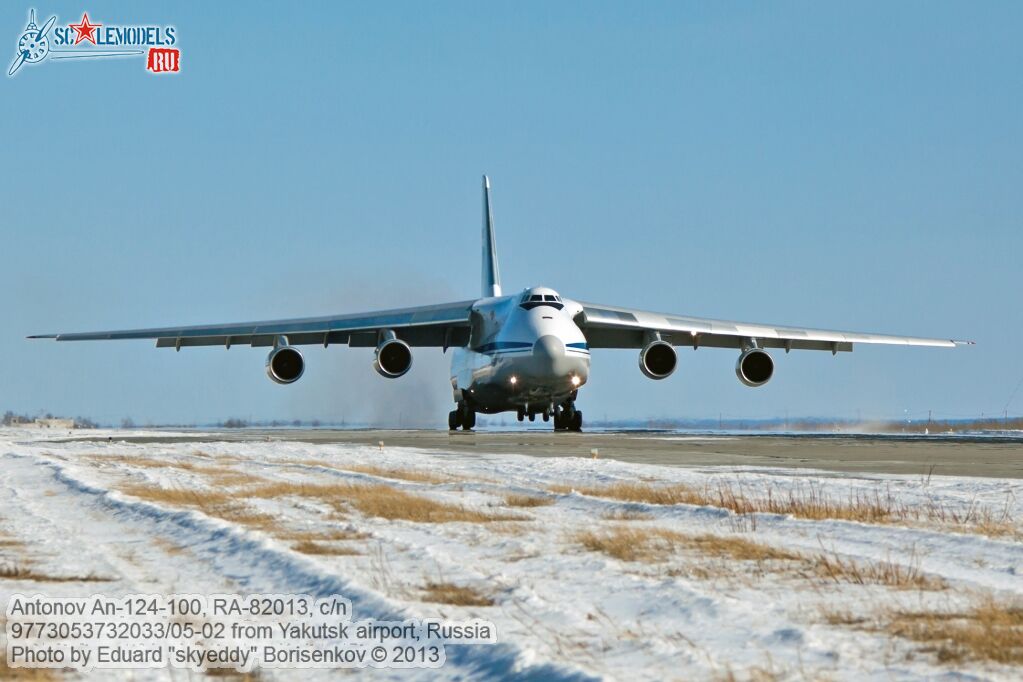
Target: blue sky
x: 853, y: 167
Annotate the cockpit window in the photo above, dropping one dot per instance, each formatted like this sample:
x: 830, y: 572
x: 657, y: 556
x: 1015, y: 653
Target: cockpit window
x: 530, y: 301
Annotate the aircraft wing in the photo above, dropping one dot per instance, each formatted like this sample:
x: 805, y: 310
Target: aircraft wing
x: 612, y: 327
x: 445, y: 325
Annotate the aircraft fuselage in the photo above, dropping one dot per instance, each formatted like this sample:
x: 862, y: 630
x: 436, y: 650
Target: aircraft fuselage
x: 524, y: 352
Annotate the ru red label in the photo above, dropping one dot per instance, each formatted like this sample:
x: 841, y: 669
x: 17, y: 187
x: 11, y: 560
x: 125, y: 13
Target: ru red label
x: 162, y: 60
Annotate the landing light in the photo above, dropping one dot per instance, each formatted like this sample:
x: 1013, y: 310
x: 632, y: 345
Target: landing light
x: 514, y: 380
x: 575, y: 380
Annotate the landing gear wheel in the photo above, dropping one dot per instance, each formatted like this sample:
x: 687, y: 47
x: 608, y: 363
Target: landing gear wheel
x: 577, y: 421
x: 532, y: 416
x: 453, y: 421
x: 522, y: 414
x: 546, y: 415
x: 466, y: 416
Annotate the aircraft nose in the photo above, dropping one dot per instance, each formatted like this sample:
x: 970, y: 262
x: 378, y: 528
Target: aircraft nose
x: 549, y: 352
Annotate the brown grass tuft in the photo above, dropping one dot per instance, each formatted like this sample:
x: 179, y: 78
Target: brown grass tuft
x: 219, y: 474
x: 737, y: 548
x: 382, y: 501
x: 632, y: 543
x: 329, y: 535
x: 390, y: 503
x: 515, y: 500
x: 213, y: 503
x: 625, y: 515
x: 887, y: 573
x: 990, y: 630
x: 457, y: 595
x: 19, y: 572
x: 310, y: 547
x: 812, y: 502
x: 400, y: 474
x: 638, y: 492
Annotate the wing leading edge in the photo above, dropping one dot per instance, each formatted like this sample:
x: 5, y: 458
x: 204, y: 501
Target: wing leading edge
x: 444, y: 325
x: 613, y: 327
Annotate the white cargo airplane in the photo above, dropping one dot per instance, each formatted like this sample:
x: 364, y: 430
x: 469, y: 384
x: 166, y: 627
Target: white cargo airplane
x: 529, y: 352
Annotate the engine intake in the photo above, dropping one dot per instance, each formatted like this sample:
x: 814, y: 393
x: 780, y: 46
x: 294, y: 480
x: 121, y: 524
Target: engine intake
x: 658, y: 359
x: 754, y: 367
x: 285, y: 365
x: 393, y: 358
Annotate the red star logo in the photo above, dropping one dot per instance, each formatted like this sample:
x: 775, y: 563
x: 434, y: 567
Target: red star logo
x: 85, y: 30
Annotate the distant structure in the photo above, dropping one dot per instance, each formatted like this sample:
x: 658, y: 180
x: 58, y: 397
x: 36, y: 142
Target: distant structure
x: 52, y: 423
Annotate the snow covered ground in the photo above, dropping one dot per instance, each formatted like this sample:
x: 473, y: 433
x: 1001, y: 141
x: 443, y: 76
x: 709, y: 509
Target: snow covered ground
x: 583, y: 574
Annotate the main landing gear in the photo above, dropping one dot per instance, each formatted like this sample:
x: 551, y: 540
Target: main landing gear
x: 566, y: 417
x: 463, y: 416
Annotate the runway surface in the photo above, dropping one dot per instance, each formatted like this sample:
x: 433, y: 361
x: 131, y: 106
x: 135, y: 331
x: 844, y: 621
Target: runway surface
x: 998, y: 456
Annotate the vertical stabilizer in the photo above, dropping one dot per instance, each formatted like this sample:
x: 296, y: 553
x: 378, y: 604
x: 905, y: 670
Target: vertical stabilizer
x: 491, y: 274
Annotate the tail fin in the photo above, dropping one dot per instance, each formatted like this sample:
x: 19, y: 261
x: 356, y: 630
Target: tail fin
x: 491, y: 274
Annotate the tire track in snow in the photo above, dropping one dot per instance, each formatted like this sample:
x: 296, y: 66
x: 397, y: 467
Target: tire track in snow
x: 258, y: 565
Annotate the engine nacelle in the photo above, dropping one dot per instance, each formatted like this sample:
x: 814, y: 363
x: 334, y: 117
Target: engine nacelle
x: 754, y: 367
x: 658, y: 359
x: 393, y: 358
x: 285, y: 365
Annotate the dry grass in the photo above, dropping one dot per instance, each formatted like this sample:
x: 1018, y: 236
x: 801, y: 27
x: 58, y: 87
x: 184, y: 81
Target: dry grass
x: 414, y: 475
x: 625, y: 515
x: 329, y: 535
x: 990, y: 630
x: 457, y: 595
x: 632, y: 543
x: 233, y: 479
x: 812, y: 502
x: 213, y: 503
x: 737, y: 548
x: 389, y: 503
x: 843, y: 617
x: 381, y: 501
x: 514, y: 500
x: 638, y: 492
x: 219, y: 474
x: 21, y: 572
x: 900, y: 576
x: 311, y: 547
x: 754, y: 674
x: 168, y: 546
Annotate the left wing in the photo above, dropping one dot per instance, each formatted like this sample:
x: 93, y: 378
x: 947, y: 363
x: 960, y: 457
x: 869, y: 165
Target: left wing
x: 443, y: 325
x: 612, y: 327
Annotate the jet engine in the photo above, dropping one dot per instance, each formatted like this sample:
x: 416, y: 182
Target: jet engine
x: 657, y: 360
x: 393, y: 358
x: 754, y: 367
x: 285, y: 365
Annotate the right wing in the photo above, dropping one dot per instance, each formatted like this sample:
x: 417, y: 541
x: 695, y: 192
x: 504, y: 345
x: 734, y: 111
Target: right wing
x: 445, y: 325
x: 614, y: 327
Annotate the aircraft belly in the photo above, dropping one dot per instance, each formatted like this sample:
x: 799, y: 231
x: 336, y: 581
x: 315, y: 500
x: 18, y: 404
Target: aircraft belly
x: 488, y: 384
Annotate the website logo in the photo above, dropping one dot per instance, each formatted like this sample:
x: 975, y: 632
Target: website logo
x: 89, y: 40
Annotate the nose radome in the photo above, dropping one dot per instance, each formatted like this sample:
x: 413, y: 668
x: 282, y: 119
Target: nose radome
x: 549, y: 350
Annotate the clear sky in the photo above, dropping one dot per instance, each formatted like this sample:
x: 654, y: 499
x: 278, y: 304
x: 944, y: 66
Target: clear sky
x: 853, y: 166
